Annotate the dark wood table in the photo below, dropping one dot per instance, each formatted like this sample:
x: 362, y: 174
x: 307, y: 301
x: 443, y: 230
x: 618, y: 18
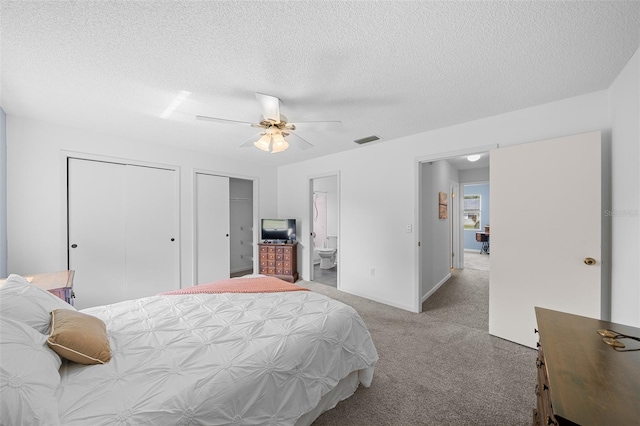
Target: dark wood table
x: 589, y: 382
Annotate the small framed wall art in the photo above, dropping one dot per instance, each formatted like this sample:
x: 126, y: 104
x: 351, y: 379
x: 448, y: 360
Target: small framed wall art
x: 442, y: 205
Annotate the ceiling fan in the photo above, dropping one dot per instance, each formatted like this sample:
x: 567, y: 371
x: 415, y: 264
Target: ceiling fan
x: 274, y: 125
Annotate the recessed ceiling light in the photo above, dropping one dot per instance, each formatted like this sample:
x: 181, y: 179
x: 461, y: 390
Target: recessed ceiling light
x: 175, y: 103
x: 474, y: 157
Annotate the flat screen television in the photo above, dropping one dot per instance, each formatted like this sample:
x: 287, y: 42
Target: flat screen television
x: 279, y: 230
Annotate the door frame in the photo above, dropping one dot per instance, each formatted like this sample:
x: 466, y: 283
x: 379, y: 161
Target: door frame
x: 308, y: 236
x: 417, y: 299
x: 457, y: 261
x: 256, y: 216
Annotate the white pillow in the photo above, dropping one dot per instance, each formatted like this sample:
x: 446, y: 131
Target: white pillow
x: 28, y: 376
x: 21, y: 301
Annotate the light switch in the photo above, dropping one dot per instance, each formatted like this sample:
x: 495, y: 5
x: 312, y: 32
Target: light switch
x: 408, y: 228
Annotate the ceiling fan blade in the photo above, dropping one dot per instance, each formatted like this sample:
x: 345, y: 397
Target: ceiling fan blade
x: 221, y: 120
x: 298, y: 141
x: 249, y: 142
x: 270, y: 107
x: 317, y: 125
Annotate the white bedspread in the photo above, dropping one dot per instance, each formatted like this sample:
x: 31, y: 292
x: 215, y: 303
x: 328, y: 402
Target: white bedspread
x: 217, y: 359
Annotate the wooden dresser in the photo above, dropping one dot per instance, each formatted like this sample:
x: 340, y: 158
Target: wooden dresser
x: 280, y: 260
x: 581, y: 379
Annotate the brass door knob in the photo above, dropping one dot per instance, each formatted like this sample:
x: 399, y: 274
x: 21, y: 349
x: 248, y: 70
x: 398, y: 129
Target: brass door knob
x: 589, y: 261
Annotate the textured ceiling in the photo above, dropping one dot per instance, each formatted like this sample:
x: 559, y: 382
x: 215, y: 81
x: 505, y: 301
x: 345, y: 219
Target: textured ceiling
x: 388, y: 68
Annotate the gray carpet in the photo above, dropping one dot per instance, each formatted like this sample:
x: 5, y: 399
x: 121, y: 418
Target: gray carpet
x: 475, y: 260
x: 440, y: 367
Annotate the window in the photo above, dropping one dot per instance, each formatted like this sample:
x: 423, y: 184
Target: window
x: 472, y: 205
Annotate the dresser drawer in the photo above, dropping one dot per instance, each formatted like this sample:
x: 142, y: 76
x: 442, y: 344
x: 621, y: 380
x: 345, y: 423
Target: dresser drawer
x: 279, y: 260
x: 544, y: 408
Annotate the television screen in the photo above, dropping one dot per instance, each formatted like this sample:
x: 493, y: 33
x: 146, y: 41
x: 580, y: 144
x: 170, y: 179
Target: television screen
x: 279, y: 229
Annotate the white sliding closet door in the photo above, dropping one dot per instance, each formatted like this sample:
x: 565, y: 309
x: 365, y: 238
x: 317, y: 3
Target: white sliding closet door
x: 121, y: 219
x: 212, y: 228
x: 151, y: 237
x: 96, y: 212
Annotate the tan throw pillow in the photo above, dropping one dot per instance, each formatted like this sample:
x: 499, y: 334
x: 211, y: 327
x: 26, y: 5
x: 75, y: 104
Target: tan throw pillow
x: 79, y: 337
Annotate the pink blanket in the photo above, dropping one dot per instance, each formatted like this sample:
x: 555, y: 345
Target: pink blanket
x: 241, y: 285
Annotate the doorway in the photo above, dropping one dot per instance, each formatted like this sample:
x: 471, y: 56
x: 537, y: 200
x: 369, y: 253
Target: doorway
x: 224, y: 227
x: 440, y: 216
x: 535, y: 223
x: 324, y: 230
x: 241, y: 227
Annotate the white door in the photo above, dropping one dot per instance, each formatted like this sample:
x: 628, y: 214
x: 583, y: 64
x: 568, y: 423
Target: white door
x: 96, y: 209
x: 212, y: 228
x: 545, y: 221
x: 121, y: 222
x: 152, y: 231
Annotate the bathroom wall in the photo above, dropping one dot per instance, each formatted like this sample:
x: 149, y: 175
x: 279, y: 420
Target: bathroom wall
x: 325, y: 211
x: 319, y: 219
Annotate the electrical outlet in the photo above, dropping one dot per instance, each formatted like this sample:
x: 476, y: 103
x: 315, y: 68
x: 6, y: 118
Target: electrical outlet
x: 408, y: 228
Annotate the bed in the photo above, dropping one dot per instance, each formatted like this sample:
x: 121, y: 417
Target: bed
x: 269, y: 357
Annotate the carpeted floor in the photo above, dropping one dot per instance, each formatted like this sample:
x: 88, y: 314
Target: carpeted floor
x: 439, y: 367
x: 475, y: 260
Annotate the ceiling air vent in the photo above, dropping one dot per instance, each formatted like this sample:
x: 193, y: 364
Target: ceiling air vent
x: 367, y: 139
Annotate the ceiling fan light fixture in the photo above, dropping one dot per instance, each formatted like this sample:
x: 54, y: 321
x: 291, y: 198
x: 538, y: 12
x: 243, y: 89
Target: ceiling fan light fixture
x: 264, y: 143
x: 278, y: 144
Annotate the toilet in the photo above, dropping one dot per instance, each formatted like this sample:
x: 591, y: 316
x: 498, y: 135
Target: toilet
x: 328, y: 254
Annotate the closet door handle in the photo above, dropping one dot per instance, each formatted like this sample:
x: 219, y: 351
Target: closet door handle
x: 173, y: 239
x: 74, y: 245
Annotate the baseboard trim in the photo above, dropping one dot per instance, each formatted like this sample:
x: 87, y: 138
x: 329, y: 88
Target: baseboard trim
x: 244, y: 268
x: 379, y: 300
x: 437, y: 286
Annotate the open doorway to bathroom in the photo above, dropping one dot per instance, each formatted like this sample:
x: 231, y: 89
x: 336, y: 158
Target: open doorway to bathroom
x: 324, y: 230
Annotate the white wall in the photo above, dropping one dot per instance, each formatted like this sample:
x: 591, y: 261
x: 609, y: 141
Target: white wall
x: 474, y: 175
x: 378, y: 184
x: 378, y: 190
x: 36, y: 188
x: 625, y: 195
x: 3, y: 193
x: 435, y: 232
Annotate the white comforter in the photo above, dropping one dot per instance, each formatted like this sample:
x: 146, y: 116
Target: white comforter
x: 217, y: 359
